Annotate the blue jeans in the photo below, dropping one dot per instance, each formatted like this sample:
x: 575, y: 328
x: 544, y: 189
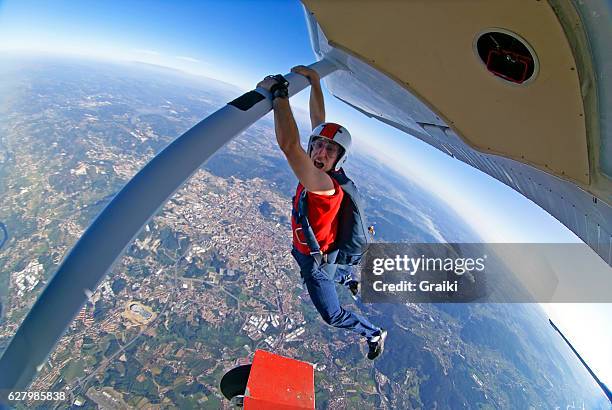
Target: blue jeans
x: 320, y: 282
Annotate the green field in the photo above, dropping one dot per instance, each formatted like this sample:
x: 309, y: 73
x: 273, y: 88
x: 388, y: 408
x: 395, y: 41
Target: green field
x: 74, y: 368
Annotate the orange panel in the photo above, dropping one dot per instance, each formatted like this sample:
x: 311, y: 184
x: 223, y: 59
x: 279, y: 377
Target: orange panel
x: 278, y: 382
x: 254, y: 404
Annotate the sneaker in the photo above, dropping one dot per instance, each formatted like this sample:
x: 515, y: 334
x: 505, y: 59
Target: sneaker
x: 353, y: 286
x: 376, y: 345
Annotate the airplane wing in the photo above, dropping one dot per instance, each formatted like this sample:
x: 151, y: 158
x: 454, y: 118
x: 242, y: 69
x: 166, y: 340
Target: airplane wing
x: 517, y: 90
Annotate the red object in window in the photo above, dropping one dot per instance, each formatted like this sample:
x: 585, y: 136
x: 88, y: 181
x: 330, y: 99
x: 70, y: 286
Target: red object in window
x: 511, y: 61
x: 279, y: 383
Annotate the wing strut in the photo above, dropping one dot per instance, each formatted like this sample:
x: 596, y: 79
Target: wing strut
x: 118, y: 224
x: 601, y: 384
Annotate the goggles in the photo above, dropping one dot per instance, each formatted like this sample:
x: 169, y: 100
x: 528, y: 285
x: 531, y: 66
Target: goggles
x: 331, y: 148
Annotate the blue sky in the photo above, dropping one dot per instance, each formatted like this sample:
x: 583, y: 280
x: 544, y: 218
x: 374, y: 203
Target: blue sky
x: 242, y: 41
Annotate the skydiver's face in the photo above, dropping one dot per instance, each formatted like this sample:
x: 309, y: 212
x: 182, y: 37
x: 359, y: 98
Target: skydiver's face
x: 324, y: 154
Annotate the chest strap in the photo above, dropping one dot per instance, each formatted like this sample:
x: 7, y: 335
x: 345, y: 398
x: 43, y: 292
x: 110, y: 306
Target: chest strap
x: 301, y: 217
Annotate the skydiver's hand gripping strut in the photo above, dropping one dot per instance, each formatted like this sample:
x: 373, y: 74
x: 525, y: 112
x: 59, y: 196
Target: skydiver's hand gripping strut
x: 316, y: 103
x: 287, y: 134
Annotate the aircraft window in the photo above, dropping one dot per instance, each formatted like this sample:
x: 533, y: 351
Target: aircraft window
x: 507, y: 56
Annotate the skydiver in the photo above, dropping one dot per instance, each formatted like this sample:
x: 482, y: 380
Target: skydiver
x: 317, y: 170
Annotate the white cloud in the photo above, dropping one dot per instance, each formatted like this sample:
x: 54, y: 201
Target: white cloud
x: 431, y: 227
x: 147, y: 52
x: 189, y: 59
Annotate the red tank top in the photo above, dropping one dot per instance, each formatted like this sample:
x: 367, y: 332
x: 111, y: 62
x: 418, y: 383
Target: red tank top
x: 323, y: 217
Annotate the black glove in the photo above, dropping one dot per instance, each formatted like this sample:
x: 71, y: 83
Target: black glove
x: 281, y: 88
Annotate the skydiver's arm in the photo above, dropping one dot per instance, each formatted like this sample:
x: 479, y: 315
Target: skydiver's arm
x: 316, y: 103
x: 288, y: 138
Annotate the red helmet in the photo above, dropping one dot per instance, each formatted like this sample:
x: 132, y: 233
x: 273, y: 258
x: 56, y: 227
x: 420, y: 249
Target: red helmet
x: 336, y: 133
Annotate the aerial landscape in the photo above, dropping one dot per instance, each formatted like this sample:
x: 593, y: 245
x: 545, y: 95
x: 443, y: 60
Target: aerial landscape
x: 210, y: 278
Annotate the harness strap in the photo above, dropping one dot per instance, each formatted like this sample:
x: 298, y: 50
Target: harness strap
x: 311, y: 240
